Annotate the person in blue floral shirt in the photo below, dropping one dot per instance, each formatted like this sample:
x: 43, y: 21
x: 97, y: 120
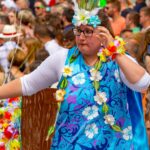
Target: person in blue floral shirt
x: 98, y: 84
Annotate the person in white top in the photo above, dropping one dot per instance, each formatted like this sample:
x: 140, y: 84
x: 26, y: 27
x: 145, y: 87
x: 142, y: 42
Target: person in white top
x: 9, y: 35
x: 4, y: 51
x: 52, y: 47
x: 45, y: 34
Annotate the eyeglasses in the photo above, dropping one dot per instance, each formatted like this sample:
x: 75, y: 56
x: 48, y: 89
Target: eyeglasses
x: 86, y: 32
x: 37, y: 7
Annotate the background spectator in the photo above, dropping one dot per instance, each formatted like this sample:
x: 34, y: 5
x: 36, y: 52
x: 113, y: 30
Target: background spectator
x: 126, y: 33
x: 145, y: 18
x: 132, y: 21
x: 126, y: 7
x: 12, y: 15
x: 22, y: 4
x: 40, y: 12
x: 27, y: 20
x: 117, y: 21
x: 139, y: 4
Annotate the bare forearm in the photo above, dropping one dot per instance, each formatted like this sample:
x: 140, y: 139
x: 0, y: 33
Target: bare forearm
x: 132, y: 71
x: 11, y: 89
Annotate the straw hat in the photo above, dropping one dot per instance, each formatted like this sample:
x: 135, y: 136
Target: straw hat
x: 9, y: 31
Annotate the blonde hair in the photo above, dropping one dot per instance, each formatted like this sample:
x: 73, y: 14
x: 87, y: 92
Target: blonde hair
x: 129, y: 3
x: 2, y: 75
x: 1, y: 69
x: 139, y: 46
x: 26, y: 16
x: 33, y: 45
x: 19, y: 57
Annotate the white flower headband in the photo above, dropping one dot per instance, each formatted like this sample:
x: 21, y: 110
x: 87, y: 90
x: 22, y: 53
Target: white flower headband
x: 87, y: 13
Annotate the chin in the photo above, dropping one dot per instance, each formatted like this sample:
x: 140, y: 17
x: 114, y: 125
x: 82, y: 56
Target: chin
x: 83, y: 49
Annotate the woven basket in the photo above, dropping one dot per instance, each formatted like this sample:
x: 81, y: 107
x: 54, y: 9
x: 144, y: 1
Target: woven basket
x: 38, y: 113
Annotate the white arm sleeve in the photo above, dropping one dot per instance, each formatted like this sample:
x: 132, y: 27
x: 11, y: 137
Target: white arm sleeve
x: 50, y: 72
x: 139, y: 86
x: 45, y: 75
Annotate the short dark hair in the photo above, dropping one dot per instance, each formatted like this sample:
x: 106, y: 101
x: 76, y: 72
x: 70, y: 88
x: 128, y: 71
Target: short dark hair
x: 68, y: 13
x: 115, y: 4
x: 146, y: 11
x: 125, y: 30
x: 4, y: 19
x: 44, y: 30
x: 135, y: 17
x: 55, y: 21
x: 105, y: 22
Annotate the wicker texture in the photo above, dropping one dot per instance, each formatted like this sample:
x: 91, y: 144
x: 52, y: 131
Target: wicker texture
x: 38, y: 113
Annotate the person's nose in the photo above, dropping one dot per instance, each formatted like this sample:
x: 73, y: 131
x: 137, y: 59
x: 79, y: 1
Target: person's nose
x: 82, y: 36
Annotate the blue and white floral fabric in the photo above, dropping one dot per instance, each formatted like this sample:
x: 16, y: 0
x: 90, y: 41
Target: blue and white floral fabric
x: 81, y: 124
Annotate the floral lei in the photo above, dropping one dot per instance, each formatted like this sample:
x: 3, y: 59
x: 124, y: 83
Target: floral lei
x: 104, y: 55
x: 10, y: 113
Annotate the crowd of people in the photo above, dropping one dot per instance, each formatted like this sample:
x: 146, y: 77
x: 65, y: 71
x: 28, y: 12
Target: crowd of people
x: 37, y: 41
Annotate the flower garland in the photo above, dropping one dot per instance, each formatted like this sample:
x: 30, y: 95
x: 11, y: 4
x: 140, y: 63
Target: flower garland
x: 10, y: 134
x: 104, y: 55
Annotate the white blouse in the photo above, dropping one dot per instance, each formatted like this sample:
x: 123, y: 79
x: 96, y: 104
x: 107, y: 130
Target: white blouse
x: 50, y: 71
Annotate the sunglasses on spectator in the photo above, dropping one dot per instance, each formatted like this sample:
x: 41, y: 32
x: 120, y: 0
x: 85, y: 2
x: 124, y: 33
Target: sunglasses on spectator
x: 38, y: 7
x: 106, y: 8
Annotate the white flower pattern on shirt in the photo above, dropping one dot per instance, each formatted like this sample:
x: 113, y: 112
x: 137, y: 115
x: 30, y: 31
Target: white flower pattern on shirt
x: 91, y: 112
x: 91, y: 130
x: 127, y: 133
x: 79, y: 79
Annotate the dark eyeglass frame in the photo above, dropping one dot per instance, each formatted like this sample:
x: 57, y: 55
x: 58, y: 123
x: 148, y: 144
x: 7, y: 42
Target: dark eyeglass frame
x: 86, y: 32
